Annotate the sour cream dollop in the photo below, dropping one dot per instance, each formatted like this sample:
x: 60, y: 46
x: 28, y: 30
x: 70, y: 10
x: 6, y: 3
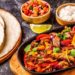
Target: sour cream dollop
x: 67, y: 13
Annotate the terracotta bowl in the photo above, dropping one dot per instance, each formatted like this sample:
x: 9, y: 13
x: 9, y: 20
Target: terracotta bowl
x: 39, y: 19
x: 59, y: 20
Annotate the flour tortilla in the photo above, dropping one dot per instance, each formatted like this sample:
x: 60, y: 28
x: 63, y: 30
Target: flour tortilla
x: 12, y: 31
x: 1, y: 36
x: 2, y: 22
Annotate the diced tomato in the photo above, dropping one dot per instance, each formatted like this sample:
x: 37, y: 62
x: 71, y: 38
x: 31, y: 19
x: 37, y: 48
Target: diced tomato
x: 36, y: 9
x: 34, y: 6
x: 43, y: 4
x: 26, y: 11
x: 35, y: 3
x: 34, y: 15
x: 31, y: 3
x: 47, y: 5
x: 42, y: 12
x: 66, y: 42
x: 30, y: 12
x: 45, y: 9
x: 42, y: 36
x: 26, y: 5
x: 24, y: 8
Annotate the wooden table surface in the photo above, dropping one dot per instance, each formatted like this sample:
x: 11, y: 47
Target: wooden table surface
x: 13, y: 6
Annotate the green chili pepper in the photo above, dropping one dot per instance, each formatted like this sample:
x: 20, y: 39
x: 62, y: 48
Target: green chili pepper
x: 56, y: 50
x: 34, y: 49
x: 27, y: 48
x: 64, y: 36
x: 68, y: 29
x: 59, y: 35
x: 73, y: 52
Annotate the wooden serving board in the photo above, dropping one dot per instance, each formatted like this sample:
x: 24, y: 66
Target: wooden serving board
x: 17, y: 69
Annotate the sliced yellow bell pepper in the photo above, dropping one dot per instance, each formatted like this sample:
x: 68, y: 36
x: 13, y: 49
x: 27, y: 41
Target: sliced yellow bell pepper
x: 73, y: 40
x: 49, y: 51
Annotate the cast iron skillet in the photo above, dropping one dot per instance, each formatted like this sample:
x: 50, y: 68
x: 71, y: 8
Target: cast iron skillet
x: 20, y: 53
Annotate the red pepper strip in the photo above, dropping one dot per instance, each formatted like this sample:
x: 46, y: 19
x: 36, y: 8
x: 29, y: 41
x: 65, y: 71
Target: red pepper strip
x: 43, y: 64
x: 56, y: 65
x: 42, y: 36
x: 25, y: 56
x: 30, y: 67
x: 65, y: 42
x: 73, y: 29
x: 53, y: 64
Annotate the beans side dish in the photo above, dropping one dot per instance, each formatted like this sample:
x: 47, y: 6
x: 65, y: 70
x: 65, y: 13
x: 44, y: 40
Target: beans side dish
x: 35, y: 8
x: 50, y: 52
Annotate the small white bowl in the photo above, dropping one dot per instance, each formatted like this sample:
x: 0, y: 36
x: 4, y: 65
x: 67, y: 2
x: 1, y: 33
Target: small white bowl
x: 59, y: 20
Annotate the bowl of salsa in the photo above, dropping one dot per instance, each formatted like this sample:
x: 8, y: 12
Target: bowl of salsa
x: 35, y: 11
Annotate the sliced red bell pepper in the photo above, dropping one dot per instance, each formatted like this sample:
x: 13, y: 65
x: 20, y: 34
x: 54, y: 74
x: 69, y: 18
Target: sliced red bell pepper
x: 30, y: 67
x: 25, y: 57
x: 73, y: 29
x: 66, y: 42
x: 56, y: 65
x: 44, y: 64
x: 42, y: 36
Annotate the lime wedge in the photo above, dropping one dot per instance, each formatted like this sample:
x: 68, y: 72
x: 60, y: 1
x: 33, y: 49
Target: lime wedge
x: 40, y: 28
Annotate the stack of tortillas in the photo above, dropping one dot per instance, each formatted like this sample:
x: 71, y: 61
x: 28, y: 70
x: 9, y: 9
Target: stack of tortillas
x: 10, y: 34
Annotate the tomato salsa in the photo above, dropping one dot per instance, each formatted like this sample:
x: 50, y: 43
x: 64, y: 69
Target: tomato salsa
x: 50, y: 52
x: 35, y: 8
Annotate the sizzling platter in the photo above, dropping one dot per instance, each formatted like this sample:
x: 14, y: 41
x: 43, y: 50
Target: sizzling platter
x: 62, y: 55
